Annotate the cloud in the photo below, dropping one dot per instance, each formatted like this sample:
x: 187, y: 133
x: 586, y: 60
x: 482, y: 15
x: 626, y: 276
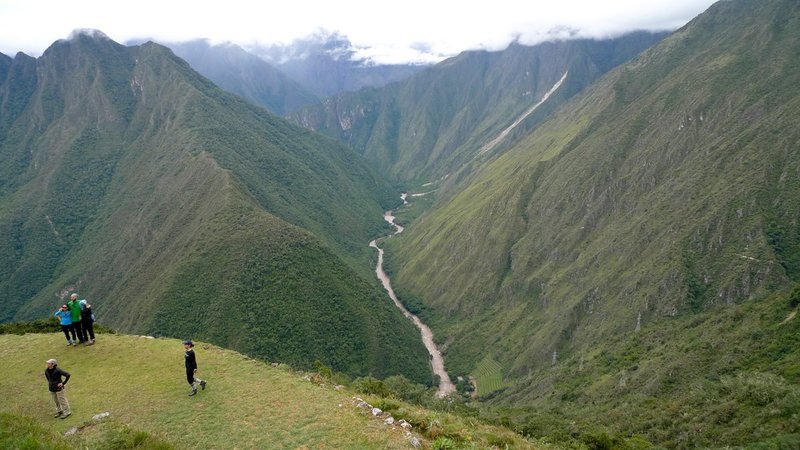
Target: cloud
x: 413, y: 30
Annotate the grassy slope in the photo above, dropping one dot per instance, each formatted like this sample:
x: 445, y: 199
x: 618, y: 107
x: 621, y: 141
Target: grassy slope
x: 724, y: 377
x: 247, y: 403
x: 669, y: 189
x: 626, y: 202
x: 141, y: 382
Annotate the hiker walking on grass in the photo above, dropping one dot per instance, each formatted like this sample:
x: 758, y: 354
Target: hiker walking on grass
x: 87, y: 320
x: 75, y: 308
x: 57, y: 388
x: 65, y: 320
x: 191, y: 368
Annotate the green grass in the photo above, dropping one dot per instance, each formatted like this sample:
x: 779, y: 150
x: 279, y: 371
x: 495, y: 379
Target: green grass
x: 247, y: 404
x: 24, y: 433
x: 488, y: 376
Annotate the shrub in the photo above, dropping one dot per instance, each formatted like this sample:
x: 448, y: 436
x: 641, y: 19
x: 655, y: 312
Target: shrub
x: 402, y: 388
x: 387, y: 405
x: 370, y: 386
x: 323, y: 370
x: 794, y: 297
x: 758, y: 389
x: 444, y: 443
x: 42, y: 326
x: 122, y: 437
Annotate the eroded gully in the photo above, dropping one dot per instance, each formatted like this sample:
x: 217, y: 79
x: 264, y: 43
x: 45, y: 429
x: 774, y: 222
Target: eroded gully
x: 437, y: 362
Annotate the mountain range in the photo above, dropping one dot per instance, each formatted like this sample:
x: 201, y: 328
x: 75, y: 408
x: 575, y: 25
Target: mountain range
x: 245, y: 74
x: 639, y: 247
x: 179, y: 209
x: 285, y: 77
x: 327, y: 63
x: 444, y: 118
x: 608, y: 241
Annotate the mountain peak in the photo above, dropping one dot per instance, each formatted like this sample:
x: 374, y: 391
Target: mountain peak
x: 88, y: 32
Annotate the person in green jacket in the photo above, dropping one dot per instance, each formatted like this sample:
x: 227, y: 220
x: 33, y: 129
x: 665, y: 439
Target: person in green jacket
x: 75, y: 309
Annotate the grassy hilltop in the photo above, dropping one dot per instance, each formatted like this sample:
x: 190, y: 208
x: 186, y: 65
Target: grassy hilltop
x: 247, y: 403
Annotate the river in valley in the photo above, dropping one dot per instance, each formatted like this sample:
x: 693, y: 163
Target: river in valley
x: 437, y: 362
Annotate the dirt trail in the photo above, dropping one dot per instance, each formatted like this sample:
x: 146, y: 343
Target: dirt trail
x: 493, y: 143
x: 437, y: 362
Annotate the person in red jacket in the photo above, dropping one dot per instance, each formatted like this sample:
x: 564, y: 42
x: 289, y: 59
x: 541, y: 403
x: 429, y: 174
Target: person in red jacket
x: 56, y: 385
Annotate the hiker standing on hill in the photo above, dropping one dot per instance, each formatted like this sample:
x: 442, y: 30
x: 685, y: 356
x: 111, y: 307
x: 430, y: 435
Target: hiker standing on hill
x: 87, y: 320
x: 75, y: 308
x: 65, y: 320
x: 191, y: 368
x: 57, y: 387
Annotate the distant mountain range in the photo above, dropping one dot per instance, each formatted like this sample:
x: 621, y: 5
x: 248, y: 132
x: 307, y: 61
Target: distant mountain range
x: 283, y: 78
x: 328, y: 63
x: 441, y: 120
x: 240, y: 72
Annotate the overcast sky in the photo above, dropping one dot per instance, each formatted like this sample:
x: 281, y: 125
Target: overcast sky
x: 389, y: 32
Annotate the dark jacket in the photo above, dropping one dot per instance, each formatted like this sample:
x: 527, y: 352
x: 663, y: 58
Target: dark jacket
x: 191, y: 362
x: 87, y: 316
x: 54, y: 377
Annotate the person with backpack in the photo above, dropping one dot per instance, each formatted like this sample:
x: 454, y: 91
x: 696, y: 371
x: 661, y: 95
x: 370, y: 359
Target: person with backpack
x: 57, y: 387
x: 75, y: 309
x: 191, y: 368
x: 65, y: 320
x: 87, y: 320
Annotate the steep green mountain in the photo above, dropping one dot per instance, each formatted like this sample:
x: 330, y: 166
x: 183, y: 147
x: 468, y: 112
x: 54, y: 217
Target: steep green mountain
x: 668, y: 191
x: 182, y: 210
x: 236, y: 70
x: 447, y: 117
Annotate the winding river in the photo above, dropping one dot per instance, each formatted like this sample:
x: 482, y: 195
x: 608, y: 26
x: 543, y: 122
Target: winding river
x: 437, y: 362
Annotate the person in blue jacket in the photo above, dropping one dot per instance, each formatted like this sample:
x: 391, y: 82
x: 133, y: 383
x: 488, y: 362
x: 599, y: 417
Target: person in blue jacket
x: 65, y: 317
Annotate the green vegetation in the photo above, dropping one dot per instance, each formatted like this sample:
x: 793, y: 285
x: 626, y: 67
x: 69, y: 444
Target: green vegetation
x: 662, y: 196
x: 42, y: 326
x: 723, y: 377
x: 488, y: 376
x: 295, y: 303
x: 22, y: 432
x: 247, y: 403
x: 435, y: 123
x: 180, y: 210
x: 141, y: 383
x: 621, y: 272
